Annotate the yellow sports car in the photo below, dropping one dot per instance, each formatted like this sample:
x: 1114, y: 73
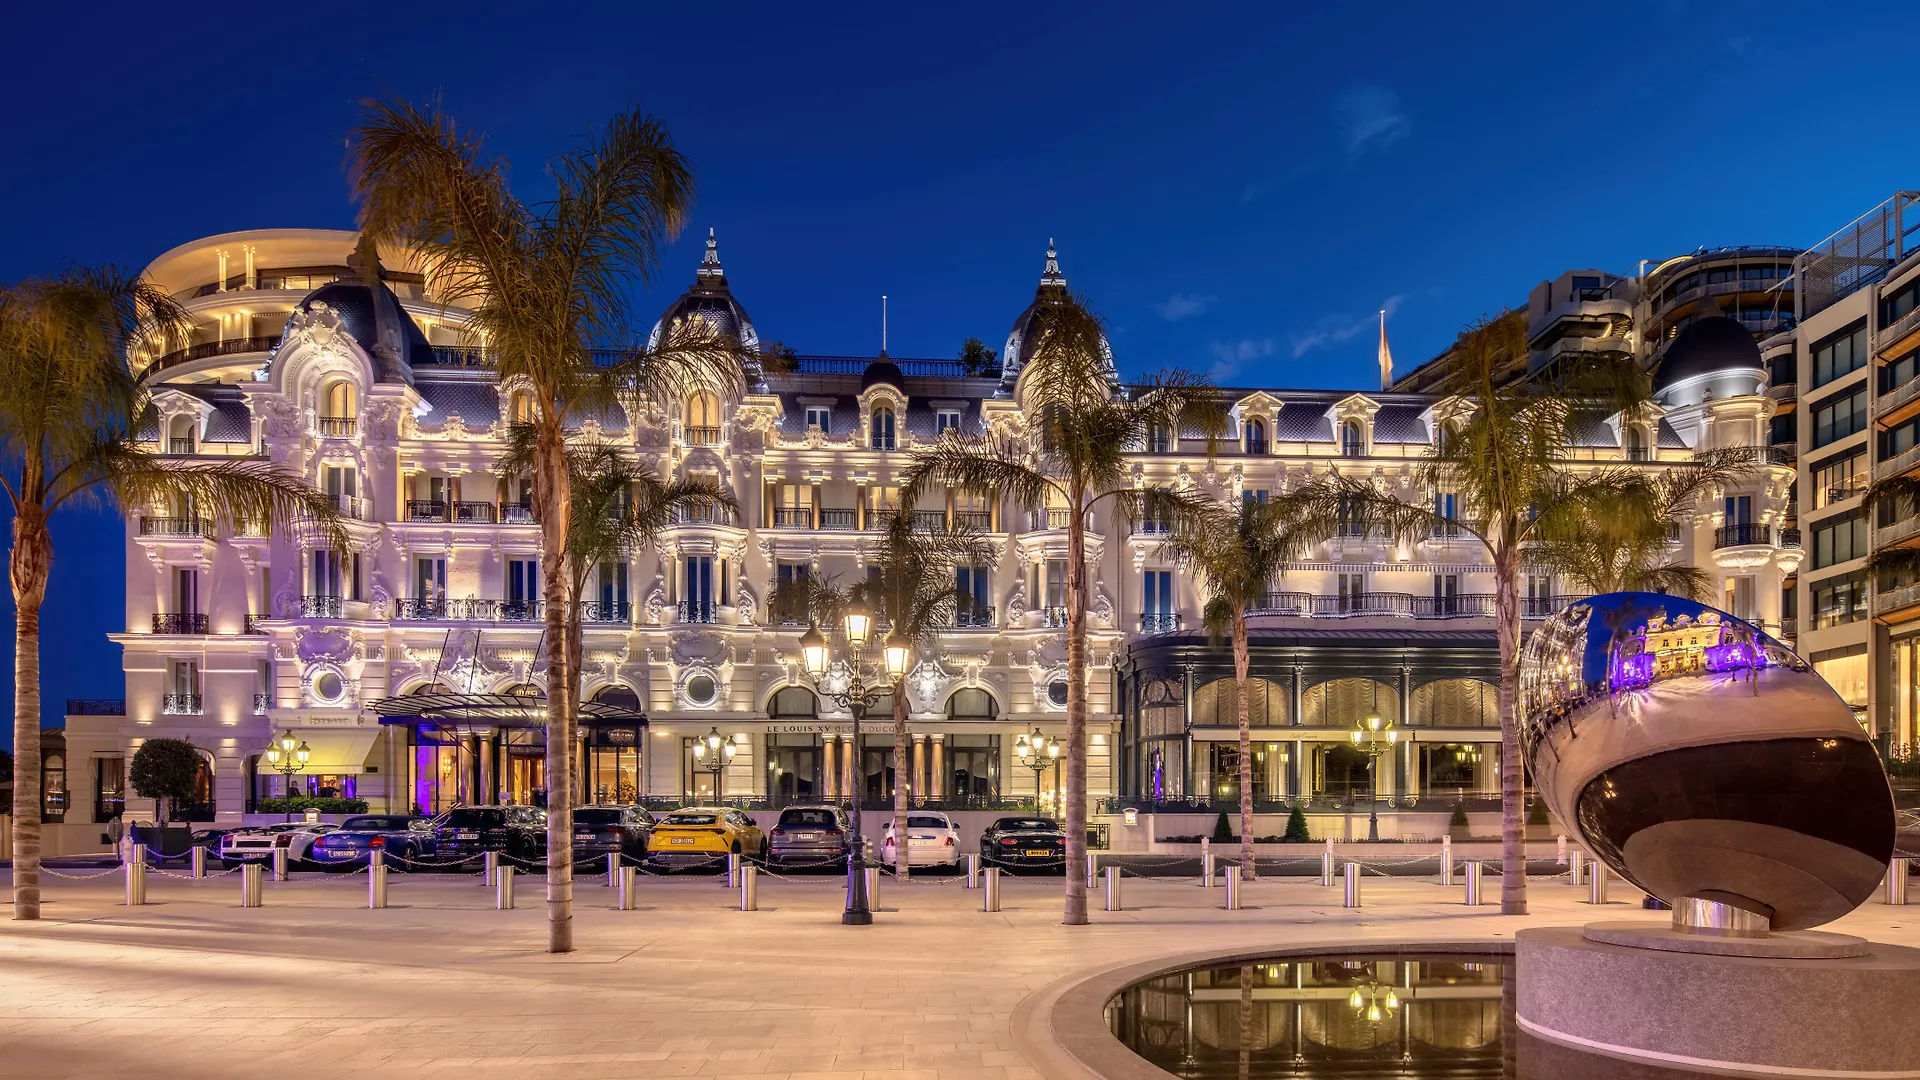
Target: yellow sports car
x: 703, y: 836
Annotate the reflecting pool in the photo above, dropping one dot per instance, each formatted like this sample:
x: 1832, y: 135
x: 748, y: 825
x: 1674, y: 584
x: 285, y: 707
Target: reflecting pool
x: 1413, y: 1016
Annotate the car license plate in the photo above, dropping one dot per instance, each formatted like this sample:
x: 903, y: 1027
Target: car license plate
x: 679, y: 839
x: 466, y: 836
x: 808, y: 836
x: 1036, y: 853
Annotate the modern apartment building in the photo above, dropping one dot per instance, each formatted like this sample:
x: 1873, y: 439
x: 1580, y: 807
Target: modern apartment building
x: 409, y: 663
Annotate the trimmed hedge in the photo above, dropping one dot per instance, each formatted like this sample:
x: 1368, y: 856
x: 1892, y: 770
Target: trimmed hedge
x: 300, y: 804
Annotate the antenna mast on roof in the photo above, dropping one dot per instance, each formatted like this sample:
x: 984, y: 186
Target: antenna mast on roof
x: 883, y: 324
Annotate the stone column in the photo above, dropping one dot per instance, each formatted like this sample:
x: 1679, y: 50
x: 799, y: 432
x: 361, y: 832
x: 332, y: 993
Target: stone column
x: 850, y: 779
x: 937, y: 787
x: 829, y: 779
x: 919, y: 768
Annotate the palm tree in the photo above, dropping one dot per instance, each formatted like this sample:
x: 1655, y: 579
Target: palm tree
x: 1503, y: 450
x: 1237, y: 552
x: 549, y: 288
x: 69, y: 406
x: 1080, y: 427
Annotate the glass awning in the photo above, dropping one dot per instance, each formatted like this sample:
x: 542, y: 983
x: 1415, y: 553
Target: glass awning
x: 494, y: 710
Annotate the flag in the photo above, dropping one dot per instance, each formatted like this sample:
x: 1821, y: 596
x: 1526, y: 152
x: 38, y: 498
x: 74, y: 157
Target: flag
x: 1386, y: 355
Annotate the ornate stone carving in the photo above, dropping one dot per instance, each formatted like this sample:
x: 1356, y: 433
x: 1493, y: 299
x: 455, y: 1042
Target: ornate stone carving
x: 318, y: 327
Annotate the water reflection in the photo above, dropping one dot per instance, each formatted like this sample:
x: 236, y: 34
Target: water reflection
x: 1412, y: 1016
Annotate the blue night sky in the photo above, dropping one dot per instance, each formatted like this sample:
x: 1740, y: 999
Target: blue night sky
x: 1240, y: 190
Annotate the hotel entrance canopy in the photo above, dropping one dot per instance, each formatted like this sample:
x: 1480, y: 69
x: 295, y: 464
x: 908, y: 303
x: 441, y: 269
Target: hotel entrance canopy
x: 449, y: 710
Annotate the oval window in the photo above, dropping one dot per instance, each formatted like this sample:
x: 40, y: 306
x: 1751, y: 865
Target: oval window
x: 1057, y: 693
x: 700, y: 690
x: 329, y: 687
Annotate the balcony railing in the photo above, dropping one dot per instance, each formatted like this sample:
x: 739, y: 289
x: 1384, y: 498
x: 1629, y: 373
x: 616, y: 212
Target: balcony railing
x: 96, y: 706
x: 179, y: 623
x: 1053, y: 616
x: 1159, y: 622
x: 473, y: 513
x: 881, y: 520
x: 1907, y: 324
x: 703, y: 514
x: 209, y: 349
x: 1790, y: 539
x: 426, y: 510
x: 1764, y: 455
x: 1445, y: 530
x: 1789, y: 626
x: 831, y: 518
x: 336, y: 427
x: 1051, y: 519
x: 1889, y: 535
x: 469, y: 609
x: 180, y: 446
x: 352, y: 506
x: 973, y: 618
x: 793, y: 517
x: 1750, y: 533
x: 182, y: 527
x: 930, y: 521
x: 1404, y: 605
x: 1896, y: 397
x: 975, y: 520
x: 321, y: 607
x: 260, y: 704
x: 695, y: 611
x: 606, y: 611
x: 1899, y: 464
x: 1459, y: 606
x: 252, y: 624
x: 700, y: 436
x: 1153, y: 528
x: 1542, y: 607
x: 1784, y: 391
x: 1895, y: 599
x: 515, y: 514
x: 180, y: 704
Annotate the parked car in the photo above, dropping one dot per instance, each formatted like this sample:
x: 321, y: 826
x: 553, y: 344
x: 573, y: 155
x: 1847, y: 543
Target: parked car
x: 704, y: 836
x: 518, y: 833
x: 601, y: 833
x: 405, y: 838
x: 1024, y: 841
x: 257, y: 844
x: 210, y: 839
x: 931, y: 840
x: 810, y: 836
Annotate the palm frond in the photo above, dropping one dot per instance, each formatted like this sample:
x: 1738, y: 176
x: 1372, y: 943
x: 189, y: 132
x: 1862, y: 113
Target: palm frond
x: 974, y: 465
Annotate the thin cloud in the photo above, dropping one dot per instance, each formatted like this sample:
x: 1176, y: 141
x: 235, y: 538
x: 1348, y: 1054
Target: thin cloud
x: 1339, y: 329
x: 1369, y: 118
x: 1184, y: 306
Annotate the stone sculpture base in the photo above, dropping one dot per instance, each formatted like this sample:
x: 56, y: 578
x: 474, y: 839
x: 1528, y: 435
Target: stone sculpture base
x: 1742, y: 1007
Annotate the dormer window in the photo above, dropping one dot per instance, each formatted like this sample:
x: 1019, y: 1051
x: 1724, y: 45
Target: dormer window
x: 702, y: 420
x: 820, y: 418
x: 882, y: 428
x: 339, y: 401
x: 1353, y: 439
x: 1637, y: 445
x: 520, y: 407
x: 180, y: 435
x: 1159, y: 439
x: 1256, y: 436
x: 945, y: 420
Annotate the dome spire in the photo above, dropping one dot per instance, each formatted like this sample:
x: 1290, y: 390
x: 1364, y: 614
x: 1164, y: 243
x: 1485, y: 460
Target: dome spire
x: 1050, y: 274
x: 710, y: 262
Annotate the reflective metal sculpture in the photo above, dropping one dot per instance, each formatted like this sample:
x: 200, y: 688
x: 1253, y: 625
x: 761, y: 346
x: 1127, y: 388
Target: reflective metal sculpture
x: 1699, y: 757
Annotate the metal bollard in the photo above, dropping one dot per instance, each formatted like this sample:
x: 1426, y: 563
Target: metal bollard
x: 1113, y: 888
x: 1596, y: 882
x: 136, y: 871
x: 197, y: 863
x: 250, y: 884
x: 613, y: 871
x: 1231, y: 901
x: 1473, y: 882
x: 489, y: 868
x: 1093, y: 869
x: 1897, y: 881
x: 279, y: 864
x: 1560, y: 849
x: 1350, y: 895
x: 973, y: 871
x: 990, y: 898
x: 1446, y: 860
x: 1326, y: 868
x: 376, y: 887
x: 873, y: 888
x: 628, y: 875
x: 749, y: 889
x: 503, y: 889
x: 733, y: 870
x: 1206, y: 869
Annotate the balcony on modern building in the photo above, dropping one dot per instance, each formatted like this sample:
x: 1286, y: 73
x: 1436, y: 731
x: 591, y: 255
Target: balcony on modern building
x: 1571, y: 346
x: 1897, y: 603
x: 1899, y: 464
x: 1898, y: 335
x: 1898, y: 405
x: 1784, y: 392
x: 208, y: 350
x: 1896, y: 532
x: 179, y: 622
x: 181, y: 704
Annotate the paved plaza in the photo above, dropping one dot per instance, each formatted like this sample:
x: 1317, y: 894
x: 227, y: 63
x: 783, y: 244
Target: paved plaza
x: 440, y: 984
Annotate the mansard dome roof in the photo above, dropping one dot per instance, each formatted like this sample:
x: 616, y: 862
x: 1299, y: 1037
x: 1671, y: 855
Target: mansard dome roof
x: 709, y: 299
x: 1025, y: 335
x: 366, y: 306
x: 1710, y: 346
x: 880, y: 371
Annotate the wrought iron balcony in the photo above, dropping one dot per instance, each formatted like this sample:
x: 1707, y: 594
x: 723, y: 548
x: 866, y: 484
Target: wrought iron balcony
x: 412, y: 608
x: 713, y: 513
x: 252, y: 624
x: 1790, y: 539
x: 1445, y: 530
x: 881, y: 520
x: 1159, y: 622
x: 1153, y: 528
x: 606, y: 611
x: 260, y: 704
x: 183, y: 527
x: 1053, y: 616
x: 1543, y: 607
x: 352, y: 506
x: 96, y: 706
x: 180, y: 704
x: 179, y: 623
x: 1747, y: 533
x: 208, y: 349
x: 975, y: 520
x: 930, y: 521
x: 1460, y: 606
x: 838, y: 519
x: 695, y: 611
x: 473, y: 513
x: 793, y: 517
x: 426, y: 510
x: 973, y: 617
x: 508, y: 610
x: 322, y: 607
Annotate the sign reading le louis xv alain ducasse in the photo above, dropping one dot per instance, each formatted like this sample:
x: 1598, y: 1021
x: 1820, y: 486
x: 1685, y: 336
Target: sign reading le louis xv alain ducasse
x: 815, y: 727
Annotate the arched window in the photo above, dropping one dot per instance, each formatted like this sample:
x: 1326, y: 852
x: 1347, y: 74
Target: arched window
x: 1160, y: 439
x: 1456, y: 703
x: 971, y: 703
x: 619, y: 697
x: 793, y: 701
x: 1340, y: 703
x: 1636, y: 444
x: 339, y: 401
x: 883, y: 428
x: 1256, y: 436
x: 702, y: 420
x: 1353, y: 439
x: 520, y: 407
x: 1214, y: 704
x: 180, y: 435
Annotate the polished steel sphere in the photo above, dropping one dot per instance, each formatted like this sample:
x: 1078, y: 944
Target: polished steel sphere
x: 1697, y: 756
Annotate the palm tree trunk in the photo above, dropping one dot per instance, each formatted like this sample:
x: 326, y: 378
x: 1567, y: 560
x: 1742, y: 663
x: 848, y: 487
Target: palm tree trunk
x: 901, y: 772
x: 32, y: 560
x: 551, y: 495
x: 1076, y: 793
x: 1513, y: 834
x: 1240, y: 663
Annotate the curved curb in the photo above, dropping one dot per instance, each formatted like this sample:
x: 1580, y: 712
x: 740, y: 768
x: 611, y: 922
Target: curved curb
x: 1062, y: 1030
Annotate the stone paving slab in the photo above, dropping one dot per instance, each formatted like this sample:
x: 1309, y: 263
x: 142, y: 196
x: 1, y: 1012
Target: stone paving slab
x: 440, y: 985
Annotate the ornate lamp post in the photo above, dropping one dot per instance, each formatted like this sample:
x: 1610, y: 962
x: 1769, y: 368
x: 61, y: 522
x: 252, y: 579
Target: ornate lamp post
x: 1373, y: 737
x: 287, y: 755
x: 714, y: 752
x: 856, y: 696
x: 1039, y: 753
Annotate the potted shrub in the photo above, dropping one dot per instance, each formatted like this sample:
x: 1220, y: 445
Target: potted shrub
x: 1297, y: 827
x: 1223, y: 830
x: 1457, y: 824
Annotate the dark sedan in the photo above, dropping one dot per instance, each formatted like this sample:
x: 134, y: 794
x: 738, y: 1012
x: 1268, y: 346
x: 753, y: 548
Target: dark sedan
x: 1024, y: 841
x: 406, y: 839
x: 518, y: 833
x: 609, y: 832
x: 816, y: 836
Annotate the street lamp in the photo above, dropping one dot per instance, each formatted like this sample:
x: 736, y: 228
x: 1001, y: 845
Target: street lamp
x: 287, y: 755
x: 1039, y: 753
x: 1373, y: 737
x: 714, y: 753
x: 856, y: 696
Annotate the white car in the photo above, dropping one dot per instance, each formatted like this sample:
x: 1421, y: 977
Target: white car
x: 931, y: 840
x: 257, y: 844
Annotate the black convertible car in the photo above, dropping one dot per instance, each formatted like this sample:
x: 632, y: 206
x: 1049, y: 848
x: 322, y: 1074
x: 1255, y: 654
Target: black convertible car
x: 1024, y: 841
